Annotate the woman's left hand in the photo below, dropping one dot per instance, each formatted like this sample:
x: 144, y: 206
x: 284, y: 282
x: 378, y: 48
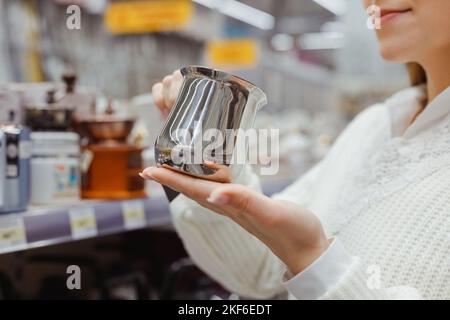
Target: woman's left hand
x: 293, y: 233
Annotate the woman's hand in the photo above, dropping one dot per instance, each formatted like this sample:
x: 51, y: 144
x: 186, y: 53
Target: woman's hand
x: 294, y: 234
x: 165, y: 93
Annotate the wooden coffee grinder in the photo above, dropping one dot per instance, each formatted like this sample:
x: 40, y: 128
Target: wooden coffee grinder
x: 110, y: 165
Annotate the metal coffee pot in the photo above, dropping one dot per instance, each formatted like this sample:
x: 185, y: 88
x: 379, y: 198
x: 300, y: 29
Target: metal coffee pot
x: 212, y: 107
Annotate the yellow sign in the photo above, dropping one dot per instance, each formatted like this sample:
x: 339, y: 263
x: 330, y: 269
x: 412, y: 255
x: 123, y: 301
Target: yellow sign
x: 232, y: 52
x: 147, y: 16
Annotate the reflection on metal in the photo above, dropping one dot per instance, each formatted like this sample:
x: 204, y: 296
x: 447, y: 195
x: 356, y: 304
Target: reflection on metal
x: 209, y: 99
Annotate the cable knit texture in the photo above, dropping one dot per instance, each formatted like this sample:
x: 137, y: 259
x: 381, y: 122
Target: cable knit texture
x: 387, y: 199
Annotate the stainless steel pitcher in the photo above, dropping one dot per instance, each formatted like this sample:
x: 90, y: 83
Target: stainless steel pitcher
x: 208, y: 99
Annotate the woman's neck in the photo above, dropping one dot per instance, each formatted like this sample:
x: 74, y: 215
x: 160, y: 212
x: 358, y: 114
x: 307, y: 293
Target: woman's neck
x: 438, y: 74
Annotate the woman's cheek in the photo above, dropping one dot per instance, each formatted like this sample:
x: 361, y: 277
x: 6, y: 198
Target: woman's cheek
x: 434, y: 21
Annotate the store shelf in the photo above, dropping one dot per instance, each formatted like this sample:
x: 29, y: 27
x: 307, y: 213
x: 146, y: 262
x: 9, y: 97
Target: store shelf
x: 43, y: 227
x: 88, y: 219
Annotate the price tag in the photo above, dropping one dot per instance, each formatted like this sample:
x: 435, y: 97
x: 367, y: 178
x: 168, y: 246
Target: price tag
x: 83, y: 223
x: 133, y: 214
x: 12, y: 233
x: 232, y: 52
x: 125, y: 17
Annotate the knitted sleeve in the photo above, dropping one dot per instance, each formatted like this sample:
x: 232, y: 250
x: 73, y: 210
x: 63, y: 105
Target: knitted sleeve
x: 355, y: 285
x: 336, y: 275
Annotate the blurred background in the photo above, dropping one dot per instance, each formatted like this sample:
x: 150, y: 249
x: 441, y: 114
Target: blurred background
x: 75, y: 106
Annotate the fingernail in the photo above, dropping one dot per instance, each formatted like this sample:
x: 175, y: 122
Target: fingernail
x: 218, y: 199
x: 147, y: 173
x: 145, y: 176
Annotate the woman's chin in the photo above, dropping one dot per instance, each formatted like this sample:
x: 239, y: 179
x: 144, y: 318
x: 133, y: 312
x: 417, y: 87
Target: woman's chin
x: 398, y: 49
x: 394, y: 54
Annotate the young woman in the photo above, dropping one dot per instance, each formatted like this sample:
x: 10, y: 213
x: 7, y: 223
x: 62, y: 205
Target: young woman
x: 370, y: 221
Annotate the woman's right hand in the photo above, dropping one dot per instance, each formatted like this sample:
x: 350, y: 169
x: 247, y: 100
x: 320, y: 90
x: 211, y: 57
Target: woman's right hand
x: 165, y: 93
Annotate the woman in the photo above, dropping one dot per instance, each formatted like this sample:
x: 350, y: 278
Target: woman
x: 370, y: 221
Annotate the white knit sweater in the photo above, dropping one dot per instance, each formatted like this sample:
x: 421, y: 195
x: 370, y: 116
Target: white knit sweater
x: 383, y: 191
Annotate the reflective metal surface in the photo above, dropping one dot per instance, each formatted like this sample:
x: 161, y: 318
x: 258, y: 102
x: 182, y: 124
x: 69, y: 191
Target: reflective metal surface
x: 208, y: 99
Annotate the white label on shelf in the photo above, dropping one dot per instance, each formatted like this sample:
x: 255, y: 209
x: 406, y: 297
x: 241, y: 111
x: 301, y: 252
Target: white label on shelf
x: 133, y: 214
x: 12, y: 232
x: 83, y: 223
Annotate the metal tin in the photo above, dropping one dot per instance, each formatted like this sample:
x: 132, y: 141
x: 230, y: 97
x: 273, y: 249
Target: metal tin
x: 16, y: 168
x: 55, y: 173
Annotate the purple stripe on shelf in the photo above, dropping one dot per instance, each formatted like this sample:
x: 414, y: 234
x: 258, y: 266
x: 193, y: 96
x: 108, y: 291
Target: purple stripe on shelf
x: 48, y: 226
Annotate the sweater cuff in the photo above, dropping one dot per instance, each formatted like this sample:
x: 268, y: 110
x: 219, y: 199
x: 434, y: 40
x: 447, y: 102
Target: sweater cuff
x: 322, y: 275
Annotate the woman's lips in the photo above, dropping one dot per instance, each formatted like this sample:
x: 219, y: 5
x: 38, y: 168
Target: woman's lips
x: 388, y: 15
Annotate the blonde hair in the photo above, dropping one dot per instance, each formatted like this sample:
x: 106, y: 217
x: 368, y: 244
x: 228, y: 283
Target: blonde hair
x: 417, y: 74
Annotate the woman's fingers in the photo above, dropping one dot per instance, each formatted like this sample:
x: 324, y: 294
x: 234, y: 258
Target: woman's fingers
x: 194, y: 188
x: 157, y: 93
x: 165, y: 113
x: 167, y: 83
x: 177, y: 80
x: 241, y: 202
x: 247, y: 207
x: 233, y: 200
x: 166, y: 92
x: 222, y: 172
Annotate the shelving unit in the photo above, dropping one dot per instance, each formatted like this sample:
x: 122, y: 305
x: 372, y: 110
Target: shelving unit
x: 44, y: 227
x: 88, y: 219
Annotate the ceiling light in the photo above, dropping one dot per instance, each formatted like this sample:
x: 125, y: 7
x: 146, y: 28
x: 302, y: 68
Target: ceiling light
x: 321, y: 41
x: 242, y: 12
x: 282, y: 42
x: 338, y: 7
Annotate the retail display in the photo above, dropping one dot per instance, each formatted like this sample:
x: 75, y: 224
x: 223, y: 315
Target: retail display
x: 51, y: 111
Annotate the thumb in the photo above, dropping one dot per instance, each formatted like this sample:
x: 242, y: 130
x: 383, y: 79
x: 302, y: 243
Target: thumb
x: 239, y: 201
